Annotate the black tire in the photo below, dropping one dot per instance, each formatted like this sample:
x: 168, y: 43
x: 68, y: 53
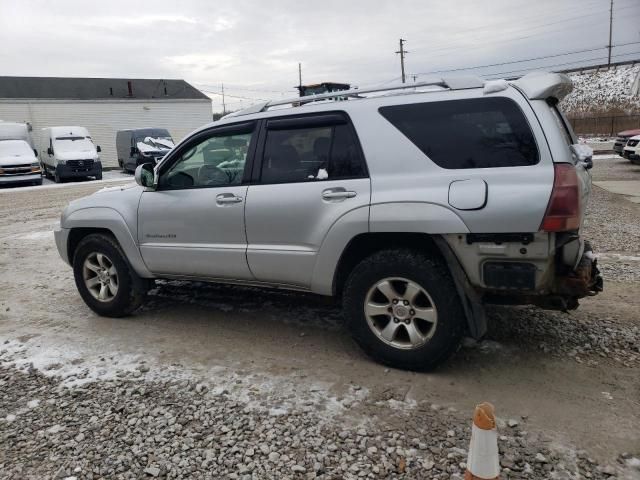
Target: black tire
x: 99, y: 176
x: 433, y: 276
x: 56, y: 178
x: 131, y: 288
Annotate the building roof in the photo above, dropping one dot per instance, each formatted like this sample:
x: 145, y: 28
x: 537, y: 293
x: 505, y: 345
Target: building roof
x: 60, y: 88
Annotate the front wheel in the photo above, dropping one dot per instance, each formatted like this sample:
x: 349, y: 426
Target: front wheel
x: 105, y: 280
x: 403, y: 309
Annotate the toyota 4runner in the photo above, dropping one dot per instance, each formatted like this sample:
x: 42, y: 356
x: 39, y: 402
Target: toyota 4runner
x: 416, y: 206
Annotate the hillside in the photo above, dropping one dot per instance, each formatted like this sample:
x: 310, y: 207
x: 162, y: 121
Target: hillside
x: 606, y: 92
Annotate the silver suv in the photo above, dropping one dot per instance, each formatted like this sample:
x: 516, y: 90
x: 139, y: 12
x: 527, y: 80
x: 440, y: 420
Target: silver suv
x: 416, y: 206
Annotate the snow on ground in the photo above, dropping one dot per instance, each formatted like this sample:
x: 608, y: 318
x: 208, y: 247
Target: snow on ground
x: 603, y: 91
x: 107, y: 177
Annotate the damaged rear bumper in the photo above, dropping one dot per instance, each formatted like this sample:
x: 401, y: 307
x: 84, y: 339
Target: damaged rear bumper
x: 584, y: 281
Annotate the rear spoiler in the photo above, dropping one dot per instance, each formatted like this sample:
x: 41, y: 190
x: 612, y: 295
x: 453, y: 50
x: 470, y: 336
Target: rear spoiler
x: 542, y: 85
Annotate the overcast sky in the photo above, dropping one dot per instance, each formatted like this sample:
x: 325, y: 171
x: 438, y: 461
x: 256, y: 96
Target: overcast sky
x: 254, y: 46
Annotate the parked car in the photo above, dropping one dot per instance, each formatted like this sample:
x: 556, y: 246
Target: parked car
x: 69, y: 152
x: 622, y: 139
x: 416, y: 209
x: 18, y: 163
x: 142, y: 145
x: 632, y: 150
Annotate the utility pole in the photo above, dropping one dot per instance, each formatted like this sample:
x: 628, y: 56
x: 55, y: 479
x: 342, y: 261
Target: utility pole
x: 402, y: 53
x: 610, y: 30
x: 224, y: 108
x: 300, y: 77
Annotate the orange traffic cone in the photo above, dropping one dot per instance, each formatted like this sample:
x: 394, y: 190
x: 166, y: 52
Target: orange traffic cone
x: 483, y: 462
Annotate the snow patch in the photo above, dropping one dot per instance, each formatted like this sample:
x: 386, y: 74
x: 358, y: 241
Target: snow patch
x: 41, y: 235
x: 492, y: 86
x: 602, y: 91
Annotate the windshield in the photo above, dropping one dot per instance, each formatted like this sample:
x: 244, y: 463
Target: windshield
x: 15, y: 148
x: 149, y: 144
x: 73, y: 144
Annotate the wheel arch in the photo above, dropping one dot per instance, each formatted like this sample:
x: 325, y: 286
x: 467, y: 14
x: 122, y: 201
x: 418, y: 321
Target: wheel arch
x: 86, y: 221
x: 366, y: 244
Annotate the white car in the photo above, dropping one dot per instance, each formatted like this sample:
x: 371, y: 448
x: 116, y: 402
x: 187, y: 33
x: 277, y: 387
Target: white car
x: 18, y: 163
x: 632, y: 149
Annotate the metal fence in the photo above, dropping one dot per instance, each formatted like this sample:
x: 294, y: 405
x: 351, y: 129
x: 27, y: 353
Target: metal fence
x: 605, y: 125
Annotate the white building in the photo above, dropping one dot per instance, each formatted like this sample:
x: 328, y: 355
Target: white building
x: 104, y: 105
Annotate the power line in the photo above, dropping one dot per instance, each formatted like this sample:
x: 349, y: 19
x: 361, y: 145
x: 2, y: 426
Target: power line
x: 525, y: 60
x: 243, y: 89
x: 233, y: 96
x: 542, y: 67
x: 522, y: 37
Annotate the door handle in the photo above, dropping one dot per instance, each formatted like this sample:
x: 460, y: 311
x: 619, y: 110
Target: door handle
x: 227, y: 198
x: 338, y: 194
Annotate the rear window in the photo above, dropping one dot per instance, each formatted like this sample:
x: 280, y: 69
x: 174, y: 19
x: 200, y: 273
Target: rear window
x: 474, y: 133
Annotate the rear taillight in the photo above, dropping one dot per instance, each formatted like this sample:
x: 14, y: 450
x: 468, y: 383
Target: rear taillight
x: 563, y: 212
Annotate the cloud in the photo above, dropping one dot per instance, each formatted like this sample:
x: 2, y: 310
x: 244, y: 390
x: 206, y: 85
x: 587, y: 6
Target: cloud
x: 256, y: 45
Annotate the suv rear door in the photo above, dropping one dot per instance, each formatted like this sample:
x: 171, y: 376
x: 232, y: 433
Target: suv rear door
x: 309, y: 172
x: 489, y: 163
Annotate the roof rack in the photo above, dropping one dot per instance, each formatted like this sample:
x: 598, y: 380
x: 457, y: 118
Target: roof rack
x: 451, y: 83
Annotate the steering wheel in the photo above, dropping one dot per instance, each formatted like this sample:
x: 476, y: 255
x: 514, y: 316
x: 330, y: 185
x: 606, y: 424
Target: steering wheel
x: 212, y: 175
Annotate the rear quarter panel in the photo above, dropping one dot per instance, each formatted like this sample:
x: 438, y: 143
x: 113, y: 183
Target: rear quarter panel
x: 402, y: 174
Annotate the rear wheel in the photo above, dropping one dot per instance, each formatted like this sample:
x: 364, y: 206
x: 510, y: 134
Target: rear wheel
x: 57, y: 178
x: 402, y: 308
x: 104, y: 278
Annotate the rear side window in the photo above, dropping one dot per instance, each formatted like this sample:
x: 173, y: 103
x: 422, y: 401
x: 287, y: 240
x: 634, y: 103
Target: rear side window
x: 474, y: 133
x: 310, y: 154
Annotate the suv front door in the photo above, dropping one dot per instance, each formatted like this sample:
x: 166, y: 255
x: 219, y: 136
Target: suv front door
x: 309, y: 173
x: 193, y: 224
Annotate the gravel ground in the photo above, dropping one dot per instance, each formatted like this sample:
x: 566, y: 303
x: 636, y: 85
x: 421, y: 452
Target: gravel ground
x: 612, y: 223
x: 210, y: 381
x: 126, y: 428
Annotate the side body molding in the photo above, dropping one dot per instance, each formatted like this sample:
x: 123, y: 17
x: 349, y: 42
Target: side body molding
x: 416, y: 217
x: 112, y: 220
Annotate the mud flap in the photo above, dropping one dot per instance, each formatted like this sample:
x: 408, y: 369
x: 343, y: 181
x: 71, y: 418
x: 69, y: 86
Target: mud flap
x: 473, y: 307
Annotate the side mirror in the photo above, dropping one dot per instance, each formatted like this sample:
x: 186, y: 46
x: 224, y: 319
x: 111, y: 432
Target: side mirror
x: 145, y: 176
x: 98, y: 149
x: 35, y: 152
x: 49, y: 151
x: 134, y: 150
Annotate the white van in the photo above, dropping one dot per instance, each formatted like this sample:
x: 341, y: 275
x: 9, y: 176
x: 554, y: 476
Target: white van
x: 18, y: 163
x: 15, y: 131
x: 69, y: 152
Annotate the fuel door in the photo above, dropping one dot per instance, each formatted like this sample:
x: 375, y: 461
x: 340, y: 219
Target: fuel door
x: 468, y: 194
